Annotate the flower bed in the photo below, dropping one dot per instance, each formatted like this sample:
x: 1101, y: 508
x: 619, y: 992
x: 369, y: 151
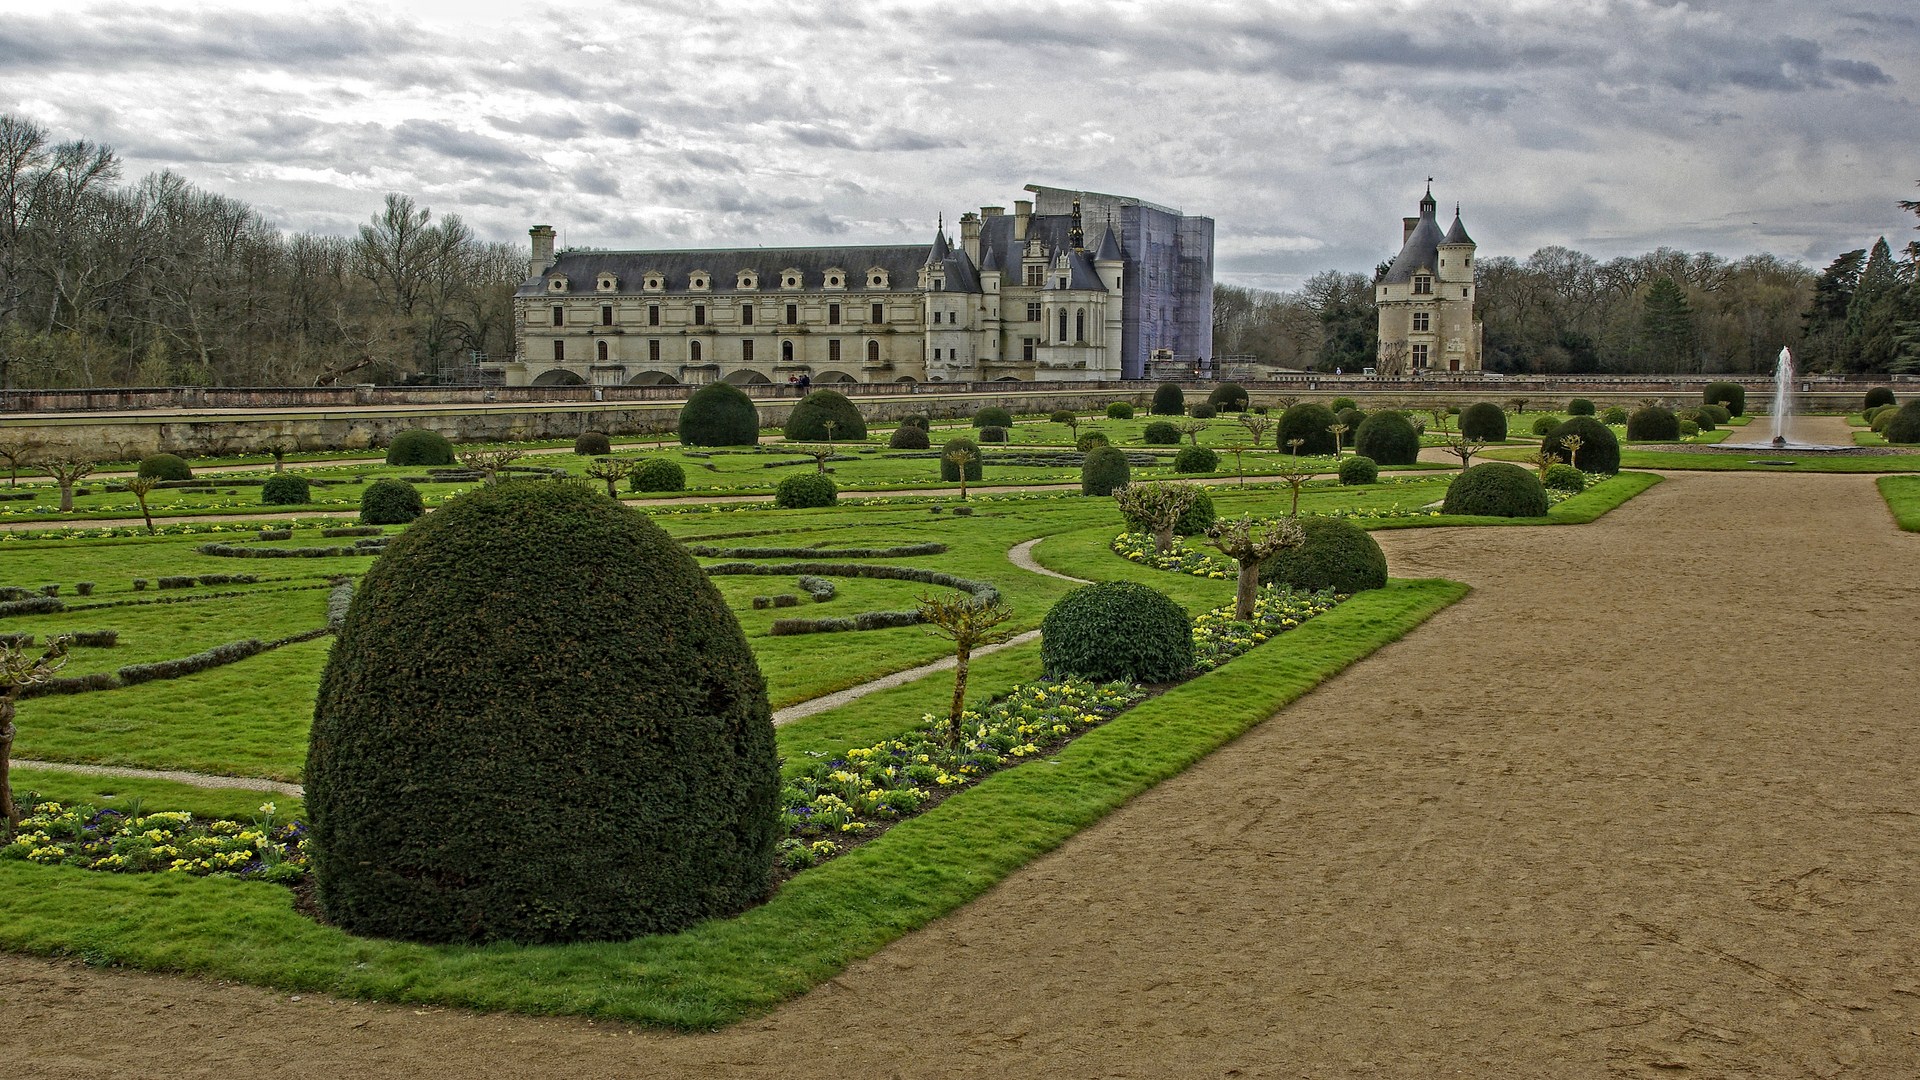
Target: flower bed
x: 1180, y: 559
x: 170, y: 842
x: 1219, y: 637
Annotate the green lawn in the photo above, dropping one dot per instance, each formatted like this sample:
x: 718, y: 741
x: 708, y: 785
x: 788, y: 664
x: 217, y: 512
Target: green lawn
x: 1903, y: 499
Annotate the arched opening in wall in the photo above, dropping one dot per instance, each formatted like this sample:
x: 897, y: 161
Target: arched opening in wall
x: 906, y: 379
x: 1080, y: 325
x: 600, y: 351
x: 558, y: 377
x: 745, y: 377
x: 653, y: 378
x: 1008, y: 378
x: 873, y: 352
x: 693, y: 352
x: 786, y: 352
x: 833, y: 376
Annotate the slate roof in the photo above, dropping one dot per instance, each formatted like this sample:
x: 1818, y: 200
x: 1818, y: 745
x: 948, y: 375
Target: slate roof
x: 902, y: 263
x: 1422, y: 250
x: 1458, y: 234
x: 997, y: 245
x: 1109, y: 248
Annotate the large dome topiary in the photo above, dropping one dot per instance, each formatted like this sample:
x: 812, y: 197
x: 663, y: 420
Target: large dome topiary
x: 1388, y: 438
x: 1353, y: 418
x: 1904, y: 427
x: 803, y: 491
x: 592, y: 444
x: 1496, y: 489
x: 1599, y: 449
x: 1580, y: 407
x: 1731, y: 395
x: 719, y: 414
x: 1228, y: 397
x: 1356, y: 469
x: 1104, y: 469
x: 1116, y: 630
x: 390, y: 501
x: 657, y: 474
x: 1311, y: 423
x: 949, y: 471
x: 1160, y: 433
x: 1195, y: 459
x: 993, y: 416
x: 1484, y: 420
x: 808, y: 420
x: 1120, y: 410
x: 1653, y: 424
x: 1168, y: 400
x: 540, y: 722
x: 419, y: 446
x: 165, y: 467
x: 284, y: 489
x: 1544, y: 424
x: 1338, y: 555
x: 1878, y: 396
x: 909, y: 437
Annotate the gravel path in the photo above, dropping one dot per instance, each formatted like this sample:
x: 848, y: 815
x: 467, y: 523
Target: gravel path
x: 206, y: 780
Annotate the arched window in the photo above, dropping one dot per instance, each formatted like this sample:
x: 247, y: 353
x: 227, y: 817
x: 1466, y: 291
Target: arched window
x: 1080, y: 325
x: 873, y: 352
x: 1063, y: 326
x: 693, y: 351
x: 786, y: 352
x: 600, y: 351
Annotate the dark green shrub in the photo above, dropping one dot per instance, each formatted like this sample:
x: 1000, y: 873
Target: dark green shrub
x: 993, y: 416
x: 592, y: 444
x: 1195, y: 459
x: 1203, y: 411
x: 1358, y: 469
x: 1730, y: 395
x: 1311, y: 423
x: 1544, y: 425
x: 1195, y: 521
x: 993, y: 434
x: 1228, y: 397
x: 540, y: 722
x: 1161, y: 433
x: 284, y: 489
x: 1702, y: 420
x: 803, y: 490
x: 1388, y: 438
x: 1599, y: 449
x: 1338, y: 555
x: 1065, y: 417
x: 1613, y: 414
x: 1496, y: 489
x: 951, y: 472
x: 1116, y: 630
x: 1120, y: 410
x: 1716, y: 413
x: 657, y: 474
x: 917, y: 420
x: 1168, y: 400
x: 419, y: 446
x: 1653, y: 424
x: 166, y: 467
x: 1882, y: 416
x: 1688, y: 429
x: 908, y: 437
x: 1089, y: 440
x: 1484, y: 420
x: 719, y: 414
x: 808, y: 420
x: 1565, y: 478
x: 1904, y: 426
x: 1104, y: 470
x: 1579, y: 407
x: 1877, y: 396
x: 1342, y: 404
x: 1353, y: 418
x: 390, y: 502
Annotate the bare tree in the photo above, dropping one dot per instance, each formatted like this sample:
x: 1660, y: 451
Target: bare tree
x: 1464, y: 447
x: 18, y: 453
x: 66, y: 472
x: 141, y: 487
x: 1339, y: 437
x: 970, y: 622
x: 17, y: 672
x: 1295, y: 472
x: 1249, y: 542
x: 1256, y: 426
x: 1160, y: 506
x: 488, y: 463
x: 1192, y: 429
x: 961, y: 457
x: 612, y: 470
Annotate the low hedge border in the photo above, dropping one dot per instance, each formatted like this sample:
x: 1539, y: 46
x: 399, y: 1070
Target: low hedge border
x: 234, y: 551
x: 899, y: 551
x: 985, y: 590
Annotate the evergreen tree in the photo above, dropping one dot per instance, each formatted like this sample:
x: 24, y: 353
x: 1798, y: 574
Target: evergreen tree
x: 1667, y: 323
x: 1825, y: 320
x: 1874, y: 311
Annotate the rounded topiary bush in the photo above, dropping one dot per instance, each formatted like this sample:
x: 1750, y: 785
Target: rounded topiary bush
x: 993, y: 416
x: 909, y: 437
x: 1878, y: 396
x: 285, y: 489
x: 390, y: 501
x: 419, y: 447
x: 1544, y: 425
x: 1700, y: 417
x: 917, y: 420
x: 1579, y: 407
x: 1342, y: 404
x: 1228, y: 397
x: 592, y: 444
x: 993, y: 434
x: 810, y: 416
x: 1064, y: 416
x: 1388, y: 438
x: 1496, y: 489
x: 1120, y: 410
x: 1599, y: 450
x: 1653, y: 424
x: 949, y: 471
x: 1161, y: 433
x: 1104, y: 469
x: 1716, y: 413
x: 1168, y: 400
x: 1198, y: 518
x: 657, y: 474
x: 1904, y: 425
x: 1195, y: 459
x: 1359, y: 469
x: 165, y: 467
x: 1203, y: 411
x: 1338, y: 555
x: 1565, y: 478
x: 1688, y: 429
x: 1353, y: 418
x: 1883, y: 416
x: 1311, y: 423
x: 803, y: 490
x: 1089, y: 440
x: 1729, y: 395
x: 719, y: 414
x: 1116, y: 630
x: 1484, y: 420
x: 1613, y: 414
x: 540, y: 722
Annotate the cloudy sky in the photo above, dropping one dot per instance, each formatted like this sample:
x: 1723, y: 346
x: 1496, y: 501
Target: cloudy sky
x: 1305, y: 128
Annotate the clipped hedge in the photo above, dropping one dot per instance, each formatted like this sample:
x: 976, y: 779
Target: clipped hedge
x: 1120, y: 410
x: 1353, y: 418
x: 1104, y: 470
x: 808, y: 420
x: 1580, y: 407
x: 603, y: 767
x: 919, y: 420
x: 657, y: 474
x: 1484, y: 420
x: 1389, y: 438
x: 1089, y: 440
x: 1904, y: 425
x: 1168, y: 400
x: 719, y: 414
x: 1878, y: 396
x: 1064, y: 416
x: 1565, y: 478
x: 165, y: 467
x: 805, y: 490
x: 1359, y: 469
x: 285, y: 489
x: 231, y: 652
x: 418, y: 446
x: 1195, y: 459
x: 993, y: 435
x: 592, y: 444
x: 1730, y: 395
x: 1337, y: 555
x: 993, y: 416
x: 1229, y: 397
x: 1716, y: 413
x: 1653, y: 424
x: 949, y: 471
x: 390, y: 502
x: 1496, y: 489
x: 1203, y: 411
x: 1116, y: 630
x: 1311, y: 423
x: 1161, y: 433
x: 1544, y: 425
x: 1599, y: 449
x: 1613, y: 414
x: 909, y: 437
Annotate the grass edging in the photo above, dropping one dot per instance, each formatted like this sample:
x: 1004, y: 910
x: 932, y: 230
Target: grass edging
x: 1583, y: 509
x: 724, y: 970
x: 1902, y: 494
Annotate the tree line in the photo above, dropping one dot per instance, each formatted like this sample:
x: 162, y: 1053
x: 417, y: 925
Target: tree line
x: 158, y: 283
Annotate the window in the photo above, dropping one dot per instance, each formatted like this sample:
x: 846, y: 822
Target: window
x: 559, y: 315
x: 1463, y: 292
x: 1419, y: 356
x: 1036, y: 275
x: 786, y: 352
x: 747, y: 280
x: 790, y: 280
x: 1028, y: 346
x: 876, y: 279
x: 693, y: 351
x: 936, y: 318
x: 559, y: 351
x: 1422, y: 322
x: 608, y: 283
x: 655, y: 283
x: 699, y: 314
x: 1080, y: 325
x: 600, y: 351
x: 653, y: 351
x: 653, y: 314
x: 1063, y: 325
x: 746, y: 351
x: 936, y: 354
x: 879, y: 314
x: 873, y: 352
x: 697, y: 281
x: 746, y: 314
x: 833, y: 350
x: 1422, y: 285
x: 1033, y: 311
x: 833, y: 314
x: 833, y: 281
x: 606, y: 314
x: 793, y: 314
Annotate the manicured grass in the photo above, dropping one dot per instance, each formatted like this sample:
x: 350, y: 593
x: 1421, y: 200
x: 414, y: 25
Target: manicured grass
x: 1583, y: 508
x: 722, y: 970
x: 1736, y: 461
x: 117, y: 793
x: 1903, y: 499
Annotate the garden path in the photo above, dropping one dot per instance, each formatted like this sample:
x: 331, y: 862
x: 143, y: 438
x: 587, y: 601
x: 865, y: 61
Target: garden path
x: 1642, y: 803
x: 206, y: 780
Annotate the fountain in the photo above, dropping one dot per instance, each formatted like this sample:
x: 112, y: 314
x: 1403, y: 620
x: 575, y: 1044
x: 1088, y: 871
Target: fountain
x: 1782, y: 398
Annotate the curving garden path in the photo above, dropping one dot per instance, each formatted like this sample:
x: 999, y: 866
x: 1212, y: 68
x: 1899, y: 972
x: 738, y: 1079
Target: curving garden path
x: 1644, y: 803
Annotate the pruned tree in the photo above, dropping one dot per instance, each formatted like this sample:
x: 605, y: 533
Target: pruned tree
x: 1159, y: 505
x: 960, y: 457
x: 488, y: 463
x: 18, y: 671
x: 1249, y: 542
x: 1542, y: 462
x: 1239, y: 469
x: 141, y: 487
x: 1256, y: 426
x: 1464, y: 447
x: 970, y: 622
x: 1072, y: 420
x: 1192, y: 429
x: 1295, y: 472
x: 612, y: 470
x: 1573, y: 444
x: 1339, y: 437
x: 18, y: 452
x: 66, y: 472
x: 279, y: 451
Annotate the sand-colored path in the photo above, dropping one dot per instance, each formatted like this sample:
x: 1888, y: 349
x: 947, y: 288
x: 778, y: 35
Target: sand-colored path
x: 1645, y: 803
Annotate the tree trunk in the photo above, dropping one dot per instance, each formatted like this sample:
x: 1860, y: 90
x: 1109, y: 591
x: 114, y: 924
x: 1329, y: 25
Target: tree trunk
x: 1163, y: 538
x: 145, y: 514
x: 959, y: 695
x: 66, y: 498
x: 1247, y: 589
x: 7, y: 810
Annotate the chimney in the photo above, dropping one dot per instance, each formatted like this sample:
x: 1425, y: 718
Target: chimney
x: 1022, y: 210
x: 992, y: 211
x: 1407, y: 225
x: 970, y: 236
x: 542, y: 250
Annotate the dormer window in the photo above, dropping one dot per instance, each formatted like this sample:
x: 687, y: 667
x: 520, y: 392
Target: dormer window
x: 836, y: 278
x: 1422, y: 285
x: 747, y: 280
x: 557, y: 283
x: 876, y: 278
x: 654, y: 282
x: 607, y: 283
x: 790, y: 278
x: 699, y: 281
